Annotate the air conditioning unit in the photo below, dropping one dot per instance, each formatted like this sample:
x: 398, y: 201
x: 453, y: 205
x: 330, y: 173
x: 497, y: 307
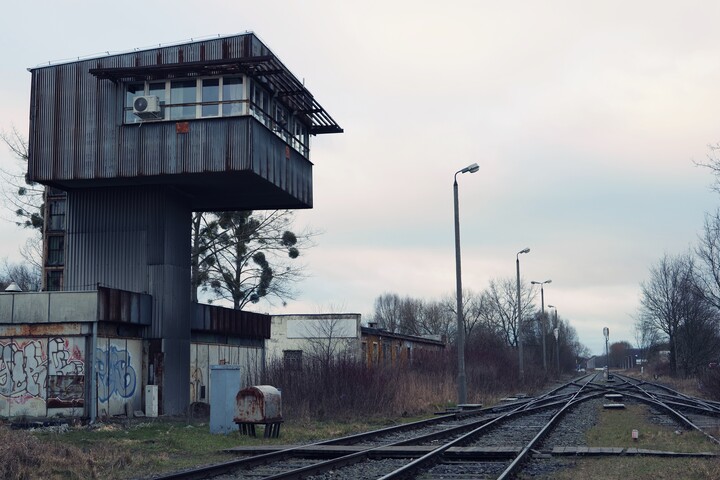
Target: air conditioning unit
x: 147, y: 107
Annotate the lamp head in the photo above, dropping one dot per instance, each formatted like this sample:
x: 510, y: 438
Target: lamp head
x: 471, y: 168
x: 13, y: 287
x: 551, y: 306
x: 524, y: 250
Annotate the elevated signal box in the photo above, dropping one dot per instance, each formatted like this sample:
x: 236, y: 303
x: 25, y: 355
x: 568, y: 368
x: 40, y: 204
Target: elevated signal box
x: 140, y: 140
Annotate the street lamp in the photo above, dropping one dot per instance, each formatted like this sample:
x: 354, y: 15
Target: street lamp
x: 542, y: 318
x: 519, y: 309
x: 462, y: 388
x: 557, y: 339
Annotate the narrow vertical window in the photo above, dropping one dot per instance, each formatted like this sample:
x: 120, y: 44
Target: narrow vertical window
x: 232, y: 95
x: 157, y: 89
x: 56, y: 250
x: 54, y: 280
x: 182, y: 99
x: 56, y: 222
x: 210, y: 97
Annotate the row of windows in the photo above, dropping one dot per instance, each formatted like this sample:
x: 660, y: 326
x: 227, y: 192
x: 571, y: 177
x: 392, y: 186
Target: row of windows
x: 185, y: 99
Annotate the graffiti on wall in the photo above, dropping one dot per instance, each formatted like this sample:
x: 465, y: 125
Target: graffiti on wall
x: 55, y: 373
x: 23, y: 370
x: 116, y: 376
x: 66, y: 375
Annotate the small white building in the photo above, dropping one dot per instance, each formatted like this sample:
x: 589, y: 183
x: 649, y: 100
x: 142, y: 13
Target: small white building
x: 294, y: 337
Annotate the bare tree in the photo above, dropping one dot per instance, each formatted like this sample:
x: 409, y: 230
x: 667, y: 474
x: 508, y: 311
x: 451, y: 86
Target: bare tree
x: 503, y: 308
x: 26, y: 276
x: 646, y: 336
x: 437, y: 319
x: 328, y: 339
x: 708, y: 252
x: 712, y: 163
x: 669, y: 297
x: 22, y: 198
x: 387, y: 311
x: 698, y: 339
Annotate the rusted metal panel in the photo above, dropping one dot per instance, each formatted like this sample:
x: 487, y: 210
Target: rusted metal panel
x: 123, y: 306
x: 214, y: 319
x: 258, y: 404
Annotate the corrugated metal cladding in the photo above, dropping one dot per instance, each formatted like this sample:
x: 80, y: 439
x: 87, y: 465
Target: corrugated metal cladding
x: 77, y: 135
x: 124, y: 307
x: 214, y: 319
x: 136, y: 240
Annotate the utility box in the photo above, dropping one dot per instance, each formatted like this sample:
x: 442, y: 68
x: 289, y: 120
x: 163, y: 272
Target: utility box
x: 258, y: 404
x: 151, y: 400
x: 224, y: 385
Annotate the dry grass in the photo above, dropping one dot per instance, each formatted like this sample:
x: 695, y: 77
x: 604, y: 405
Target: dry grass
x: 24, y: 456
x: 614, y: 429
x: 638, y: 468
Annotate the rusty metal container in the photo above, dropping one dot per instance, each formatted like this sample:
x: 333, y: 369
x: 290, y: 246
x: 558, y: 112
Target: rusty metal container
x: 258, y: 404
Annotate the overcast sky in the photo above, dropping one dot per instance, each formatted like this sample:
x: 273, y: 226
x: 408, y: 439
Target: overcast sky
x: 585, y: 119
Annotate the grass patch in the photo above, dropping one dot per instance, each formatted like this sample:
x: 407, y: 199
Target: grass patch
x: 115, y: 451
x: 638, y: 468
x: 614, y: 429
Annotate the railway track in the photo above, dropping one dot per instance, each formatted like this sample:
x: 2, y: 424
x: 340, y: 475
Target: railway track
x: 495, y: 442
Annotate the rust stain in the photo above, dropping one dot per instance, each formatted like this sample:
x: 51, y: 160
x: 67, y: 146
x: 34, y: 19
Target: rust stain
x: 254, y: 405
x: 42, y: 329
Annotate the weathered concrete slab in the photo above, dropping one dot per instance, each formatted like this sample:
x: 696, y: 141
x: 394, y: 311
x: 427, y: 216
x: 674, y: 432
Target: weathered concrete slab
x: 73, y: 307
x: 614, y: 406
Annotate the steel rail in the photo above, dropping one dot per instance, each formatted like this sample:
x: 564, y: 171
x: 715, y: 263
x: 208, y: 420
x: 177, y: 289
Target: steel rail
x: 356, y: 457
x: 708, y: 404
x: 525, y: 406
x: 250, y: 462
x: 651, y: 399
x: 515, y: 464
x: 432, y: 457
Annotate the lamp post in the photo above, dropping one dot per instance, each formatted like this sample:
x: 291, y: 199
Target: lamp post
x: 557, y: 339
x: 462, y: 388
x: 519, y: 310
x: 542, y: 318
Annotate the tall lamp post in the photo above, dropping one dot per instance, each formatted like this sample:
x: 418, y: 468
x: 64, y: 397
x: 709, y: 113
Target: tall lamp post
x: 542, y: 318
x: 556, y: 331
x: 519, y: 310
x: 462, y: 387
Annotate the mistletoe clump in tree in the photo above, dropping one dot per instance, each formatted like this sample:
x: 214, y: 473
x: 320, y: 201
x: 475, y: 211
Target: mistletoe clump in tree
x: 246, y: 256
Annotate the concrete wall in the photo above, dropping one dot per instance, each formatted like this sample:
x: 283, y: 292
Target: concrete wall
x: 47, y: 376
x: 204, y: 355
x: 48, y: 307
x: 119, y: 366
x: 307, y: 332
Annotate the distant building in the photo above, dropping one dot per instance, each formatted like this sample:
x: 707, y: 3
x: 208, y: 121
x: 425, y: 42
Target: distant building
x: 380, y: 347
x: 298, y: 337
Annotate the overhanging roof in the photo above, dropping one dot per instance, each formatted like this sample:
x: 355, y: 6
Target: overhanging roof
x: 264, y: 68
